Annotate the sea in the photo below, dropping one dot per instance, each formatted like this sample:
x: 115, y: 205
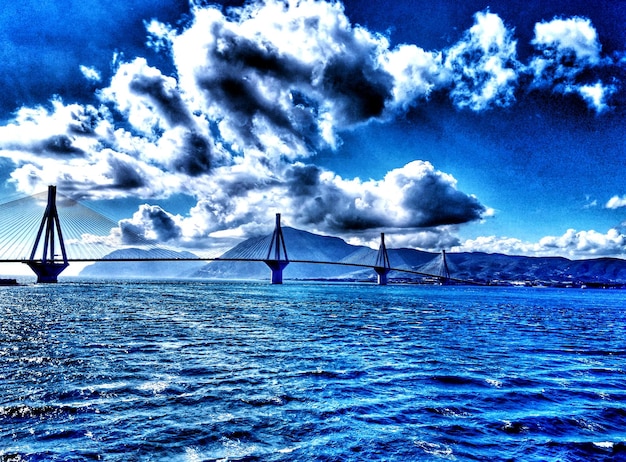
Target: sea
x: 247, y: 371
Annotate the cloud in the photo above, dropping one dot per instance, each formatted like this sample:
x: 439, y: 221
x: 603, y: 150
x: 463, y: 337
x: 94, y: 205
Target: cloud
x: 416, y: 203
x: 586, y: 243
x: 572, y: 244
x: 568, y: 48
x: 414, y: 196
x: 596, y: 95
x: 91, y: 73
x: 78, y: 148
x: 573, y: 38
x: 281, y: 73
x: 254, y: 93
x: 150, y: 224
x: 484, y: 64
x: 147, y: 98
x: 616, y: 202
x: 439, y: 238
x: 416, y: 72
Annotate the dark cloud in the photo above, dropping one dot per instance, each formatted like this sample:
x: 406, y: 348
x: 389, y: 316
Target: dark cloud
x: 420, y: 197
x: 242, y: 101
x: 244, y: 55
x: 131, y: 234
x: 167, y: 100
x: 234, y: 78
x: 359, y: 88
x: 261, y: 86
x: 59, y: 145
x: 149, y: 224
x: 125, y: 176
x: 194, y: 157
x: 85, y: 121
x: 433, y: 201
x: 324, y: 204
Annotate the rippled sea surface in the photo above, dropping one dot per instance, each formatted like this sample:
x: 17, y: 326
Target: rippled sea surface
x: 193, y: 371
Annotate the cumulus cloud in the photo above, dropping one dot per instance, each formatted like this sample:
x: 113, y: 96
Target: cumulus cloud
x: 414, y: 196
x: 484, y: 64
x: 416, y: 72
x: 150, y: 224
x: 586, y: 243
x: 254, y: 94
x: 439, y: 238
x: 284, y: 73
x: 78, y: 148
x: 596, y: 95
x: 616, y: 202
x: 572, y: 244
x: 568, y: 47
x: 416, y: 203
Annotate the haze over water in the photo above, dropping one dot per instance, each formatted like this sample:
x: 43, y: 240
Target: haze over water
x: 194, y: 371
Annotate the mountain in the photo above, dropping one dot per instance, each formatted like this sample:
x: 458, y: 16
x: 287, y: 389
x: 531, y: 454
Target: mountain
x: 302, y: 245
x: 143, y: 269
x: 483, y: 267
x: 472, y: 266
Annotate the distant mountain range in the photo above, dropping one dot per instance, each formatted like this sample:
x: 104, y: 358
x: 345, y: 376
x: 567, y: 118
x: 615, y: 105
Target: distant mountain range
x: 302, y: 245
x: 142, y: 269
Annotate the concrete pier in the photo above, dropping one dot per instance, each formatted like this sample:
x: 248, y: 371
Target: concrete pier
x: 47, y: 268
x: 277, y: 258
x: 382, y: 265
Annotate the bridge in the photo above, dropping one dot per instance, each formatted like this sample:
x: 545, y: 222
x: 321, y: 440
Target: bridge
x: 49, y: 253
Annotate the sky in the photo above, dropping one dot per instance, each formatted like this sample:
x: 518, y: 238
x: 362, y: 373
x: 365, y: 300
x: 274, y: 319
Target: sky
x: 467, y: 126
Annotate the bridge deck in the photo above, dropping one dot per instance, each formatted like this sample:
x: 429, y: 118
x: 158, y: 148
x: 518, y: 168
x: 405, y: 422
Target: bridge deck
x: 219, y: 259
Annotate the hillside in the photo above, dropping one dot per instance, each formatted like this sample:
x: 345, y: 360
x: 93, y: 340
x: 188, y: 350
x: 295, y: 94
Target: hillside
x: 478, y: 267
x: 303, y: 245
x: 142, y: 269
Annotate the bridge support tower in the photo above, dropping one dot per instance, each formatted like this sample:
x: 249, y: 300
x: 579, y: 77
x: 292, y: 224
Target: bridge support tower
x: 277, y: 258
x: 445, y: 277
x: 382, y: 265
x: 48, y: 267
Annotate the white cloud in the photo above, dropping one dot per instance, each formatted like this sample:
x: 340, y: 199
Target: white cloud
x: 596, y: 95
x: 254, y: 95
x: 572, y: 36
x: 289, y: 74
x: 416, y: 72
x: 568, y: 47
x: 616, y: 202
x: 572, y: 244
x: 91, y: 73
x: 484, y: 64
x: 243, y: 196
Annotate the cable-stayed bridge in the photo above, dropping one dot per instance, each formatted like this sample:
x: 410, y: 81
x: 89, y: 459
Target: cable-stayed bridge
x: 47, y: 232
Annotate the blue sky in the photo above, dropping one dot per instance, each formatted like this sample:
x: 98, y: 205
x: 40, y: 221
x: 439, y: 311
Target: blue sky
x: 490, y: 126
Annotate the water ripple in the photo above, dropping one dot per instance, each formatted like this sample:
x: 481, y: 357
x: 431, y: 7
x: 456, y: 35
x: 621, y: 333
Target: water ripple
x: 196, y: 371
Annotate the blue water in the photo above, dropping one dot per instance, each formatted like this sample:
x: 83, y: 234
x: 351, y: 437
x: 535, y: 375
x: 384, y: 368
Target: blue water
x: 197, y: 371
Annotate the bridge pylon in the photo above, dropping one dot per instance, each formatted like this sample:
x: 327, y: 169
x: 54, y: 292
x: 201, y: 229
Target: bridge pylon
x: 382, y: 265
x: 445, y: 277
x: 277, y: 258
x: 49, y: 266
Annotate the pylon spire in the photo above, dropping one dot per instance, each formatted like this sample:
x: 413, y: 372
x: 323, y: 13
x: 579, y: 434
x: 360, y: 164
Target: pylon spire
x: 277, y: 258
x: 382, y: 265
x: 446, y: 270
x: 49, y: 266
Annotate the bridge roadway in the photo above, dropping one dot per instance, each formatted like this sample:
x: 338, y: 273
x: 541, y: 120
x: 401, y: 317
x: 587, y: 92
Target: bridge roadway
x: 51, y: 264
x: 219, y: 259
